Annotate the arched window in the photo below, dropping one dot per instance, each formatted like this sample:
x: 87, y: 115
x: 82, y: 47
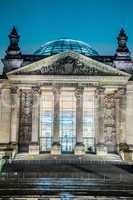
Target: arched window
x: 46, y: 121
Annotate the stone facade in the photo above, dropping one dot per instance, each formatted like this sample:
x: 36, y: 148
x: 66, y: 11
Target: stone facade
x: 23, y: 84
x: 22, y: 94
x: 66, y: 123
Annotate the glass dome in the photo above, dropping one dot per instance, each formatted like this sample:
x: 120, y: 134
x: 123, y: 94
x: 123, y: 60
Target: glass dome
x: 62, y: 45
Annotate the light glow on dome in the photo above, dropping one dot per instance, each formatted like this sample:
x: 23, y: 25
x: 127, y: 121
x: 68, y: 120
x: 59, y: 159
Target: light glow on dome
x: 63, y: 45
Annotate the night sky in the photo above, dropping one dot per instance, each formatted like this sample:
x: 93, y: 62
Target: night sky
x: 96, y: 22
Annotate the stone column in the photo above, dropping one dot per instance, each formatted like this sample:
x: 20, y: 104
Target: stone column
x: 122, y: 94
x: 100, y: 148
x: 96, y: 116
x: 5, y: 119
x: 15, y: 107
x: 117, y: 115
x: 56, y: 147
x: 34, y: 146
x: 129, y: 115
x: 79, y: 148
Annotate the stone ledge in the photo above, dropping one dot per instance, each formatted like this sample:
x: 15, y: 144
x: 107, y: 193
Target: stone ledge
x: 56, y: 149
x: 79, y: 149
x: 101, y: 149
x: 34, y: 148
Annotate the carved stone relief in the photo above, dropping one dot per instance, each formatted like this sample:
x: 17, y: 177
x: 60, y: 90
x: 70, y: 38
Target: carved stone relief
x: 25, y: 120
x: 110, y: 122
x: 69, y: 66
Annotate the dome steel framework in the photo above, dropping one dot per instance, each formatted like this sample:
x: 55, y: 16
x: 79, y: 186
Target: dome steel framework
x: 63, y: 45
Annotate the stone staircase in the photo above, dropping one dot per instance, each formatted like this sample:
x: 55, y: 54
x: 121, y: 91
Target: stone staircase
x: 87, y: 157
x: 43, y: 174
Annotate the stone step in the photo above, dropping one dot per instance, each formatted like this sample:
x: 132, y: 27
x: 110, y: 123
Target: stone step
x: 88, y: 157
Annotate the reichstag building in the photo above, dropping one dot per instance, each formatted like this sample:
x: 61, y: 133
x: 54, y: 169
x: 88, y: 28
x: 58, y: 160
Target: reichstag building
x: 66, y: 122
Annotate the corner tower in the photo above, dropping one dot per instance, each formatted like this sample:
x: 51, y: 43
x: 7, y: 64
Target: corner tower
x: 122, y: 58
x: 122, y: 52
x: 13, y: 58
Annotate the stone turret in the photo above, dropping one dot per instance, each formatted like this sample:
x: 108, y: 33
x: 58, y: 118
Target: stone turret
x: 13, y: 49
x: 13, y: 58
x: 123, y: 59
x: 122, y: 52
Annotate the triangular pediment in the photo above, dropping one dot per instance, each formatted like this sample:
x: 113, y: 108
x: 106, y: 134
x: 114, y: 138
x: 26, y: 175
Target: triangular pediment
x: 68, y: 63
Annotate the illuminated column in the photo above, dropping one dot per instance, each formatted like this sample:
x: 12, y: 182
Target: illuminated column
x: 5, y: 122
x: 34, y: 146
x: 117, y: 113
x: 79, y: 148
x: 56, y: 148
x: 15, y: 107
x: 122, y: 114
x: 100, y: 148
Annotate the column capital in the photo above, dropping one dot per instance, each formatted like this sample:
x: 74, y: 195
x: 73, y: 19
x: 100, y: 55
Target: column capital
x: 56, y: 90
x: 14, y: 90
x: 36, y: 90
x: 100, y: 90
x: 79, y: 91
x: 121, y: 91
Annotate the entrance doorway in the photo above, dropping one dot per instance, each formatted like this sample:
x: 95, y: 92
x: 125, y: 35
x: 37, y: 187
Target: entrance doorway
x: 67, y: 144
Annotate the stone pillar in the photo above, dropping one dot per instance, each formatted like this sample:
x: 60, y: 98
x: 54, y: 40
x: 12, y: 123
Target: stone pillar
x: 100, y: 148
x: 34, y: 146
x: 5, y: 121
x: 117, y: 116
x: 96, y: 116
x: 6, y: 114
x: 79, y: 148
x: 129, y: 115
x: 56, y: 147
x: 15, y: 107
x: 123, y: 108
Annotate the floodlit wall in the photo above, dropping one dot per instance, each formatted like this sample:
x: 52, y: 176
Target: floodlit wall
x: 5, y: 115
x: 129, y: 114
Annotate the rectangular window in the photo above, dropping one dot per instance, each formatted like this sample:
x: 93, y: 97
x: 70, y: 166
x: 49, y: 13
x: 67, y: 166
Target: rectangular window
x: 46, y: 121
x: 88, y: 121
x: 67, y: 121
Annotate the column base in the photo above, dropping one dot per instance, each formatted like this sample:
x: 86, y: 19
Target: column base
x: 79, y: 149
x: 56, y: 149
x: 101, y: 149
x: 34, y: 148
